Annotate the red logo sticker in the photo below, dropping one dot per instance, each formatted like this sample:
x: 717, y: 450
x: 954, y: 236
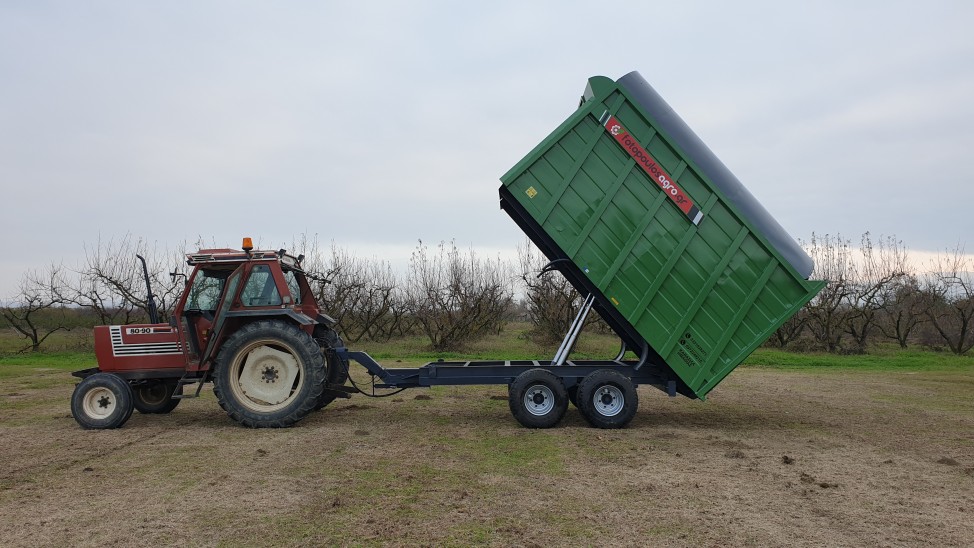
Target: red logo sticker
x: 652, y: 168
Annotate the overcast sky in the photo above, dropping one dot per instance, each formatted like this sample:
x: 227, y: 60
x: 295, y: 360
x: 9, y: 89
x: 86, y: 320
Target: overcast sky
x: 375, y: 124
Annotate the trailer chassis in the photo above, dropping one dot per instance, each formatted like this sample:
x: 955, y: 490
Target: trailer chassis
x: 539, y: 391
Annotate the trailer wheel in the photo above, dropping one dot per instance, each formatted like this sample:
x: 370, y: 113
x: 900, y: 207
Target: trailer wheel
x: 336, y: 369
x: 573, y: 395
x: 157, y: 398
x: 607, y: 399
x: 102, y: 401
x: 538, y: 399
x: 269, y: 374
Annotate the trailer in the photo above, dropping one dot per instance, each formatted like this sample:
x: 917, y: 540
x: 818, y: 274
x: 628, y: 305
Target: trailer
x: 660, y: 238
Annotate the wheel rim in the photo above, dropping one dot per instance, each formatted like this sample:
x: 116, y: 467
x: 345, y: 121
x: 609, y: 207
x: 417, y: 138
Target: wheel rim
x: 154, y: 395
x: 539, y: 400
x: 266, y: 376
x: 608, y: 400
x: 99, y: 402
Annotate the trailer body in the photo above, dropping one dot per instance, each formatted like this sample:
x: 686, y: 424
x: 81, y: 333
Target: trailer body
x: 684, y: 263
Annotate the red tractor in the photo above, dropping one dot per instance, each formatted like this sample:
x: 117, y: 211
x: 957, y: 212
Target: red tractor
x: 247, y: 321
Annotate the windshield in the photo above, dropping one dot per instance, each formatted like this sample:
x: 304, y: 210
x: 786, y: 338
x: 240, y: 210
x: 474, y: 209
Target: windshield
x: 205, y: 291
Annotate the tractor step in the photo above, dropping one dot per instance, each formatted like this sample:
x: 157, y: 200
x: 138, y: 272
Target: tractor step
x: 183, y: 381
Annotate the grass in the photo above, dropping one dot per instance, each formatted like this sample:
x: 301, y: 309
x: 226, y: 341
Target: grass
x: 878, y: 359
x: 511, y: 343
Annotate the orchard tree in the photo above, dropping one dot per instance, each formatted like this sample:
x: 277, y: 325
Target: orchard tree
x: 111, y: 282
x: 37, y: 312
x: 949, y: 295
x: 456, y: 297
x: 832, y: 256
x: 872, y: 277
x: 903, y: 310
x: 551, y: 301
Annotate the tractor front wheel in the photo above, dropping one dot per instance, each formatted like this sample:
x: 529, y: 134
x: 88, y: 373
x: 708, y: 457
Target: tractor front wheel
x: 269, y: 374
x: 102, y: 401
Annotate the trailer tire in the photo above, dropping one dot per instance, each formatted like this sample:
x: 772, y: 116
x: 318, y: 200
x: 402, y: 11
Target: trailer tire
x: 538, y: 399
x: 573, y: 394
x: 102, y: 401
x: 269, y: 374
x: 607, y: 399
x: 336, y: 369
x: 157, y: 398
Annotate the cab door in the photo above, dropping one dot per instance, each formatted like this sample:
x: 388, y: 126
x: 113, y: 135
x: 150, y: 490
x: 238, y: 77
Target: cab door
x: 198, y: 315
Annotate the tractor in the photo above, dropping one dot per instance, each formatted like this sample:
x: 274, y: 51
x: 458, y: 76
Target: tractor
x: 247, y: 321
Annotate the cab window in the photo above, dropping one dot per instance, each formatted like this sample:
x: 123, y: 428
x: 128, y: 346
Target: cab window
x: 293, y: 287
x: 206, y: 289
x: 260, y: 289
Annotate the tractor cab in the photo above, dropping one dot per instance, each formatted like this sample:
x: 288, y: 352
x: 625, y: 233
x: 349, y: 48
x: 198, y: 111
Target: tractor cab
x: 228, y: 288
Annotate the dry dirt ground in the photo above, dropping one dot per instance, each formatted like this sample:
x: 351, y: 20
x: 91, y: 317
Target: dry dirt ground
x: 774, y: 458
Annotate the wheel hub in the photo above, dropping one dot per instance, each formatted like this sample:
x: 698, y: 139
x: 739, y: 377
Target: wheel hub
x: 267, y: 377
x: 539, y: 400
x: 270, y: 374
x: 609, y: 400
x: 99, y: 402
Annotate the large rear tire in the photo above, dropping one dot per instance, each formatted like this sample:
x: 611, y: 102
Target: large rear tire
x: 538, y: 399
x: 269, y: 374
x: 102, y: 401
x: 336, y: 369
x: 157, y: 398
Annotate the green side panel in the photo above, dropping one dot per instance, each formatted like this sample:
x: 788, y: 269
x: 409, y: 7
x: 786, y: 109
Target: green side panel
x: 702, y: 296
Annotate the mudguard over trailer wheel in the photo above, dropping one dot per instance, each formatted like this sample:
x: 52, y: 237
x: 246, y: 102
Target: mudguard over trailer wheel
x: 269, y: 374
x: 607, y: 399
x: 538, y: 399
x: 156, y: 398
x: 102, y: 401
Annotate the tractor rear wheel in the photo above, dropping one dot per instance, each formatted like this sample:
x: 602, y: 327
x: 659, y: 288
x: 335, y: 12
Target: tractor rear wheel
x: 336, y: 369
x: 102, y: 401
x: 157, y: 398
x: 269, y: 374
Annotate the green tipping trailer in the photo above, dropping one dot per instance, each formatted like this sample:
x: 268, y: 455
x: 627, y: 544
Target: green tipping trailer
x: 681, y: 260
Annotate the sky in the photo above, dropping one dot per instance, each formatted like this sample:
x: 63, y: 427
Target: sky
x: 376, y: 124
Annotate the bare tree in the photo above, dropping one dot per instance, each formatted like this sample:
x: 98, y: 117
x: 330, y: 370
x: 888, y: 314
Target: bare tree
x: 903, y: 310
x: 36, y: 312
x: 790, y: 331
x: 949, y: 294
x: 871, y: 276
x: 551, y: 301
x: 363, y: 295
x: 111, y: 282
x: 387, y: 311
x: 832, y: 256
x: 456, y: 298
